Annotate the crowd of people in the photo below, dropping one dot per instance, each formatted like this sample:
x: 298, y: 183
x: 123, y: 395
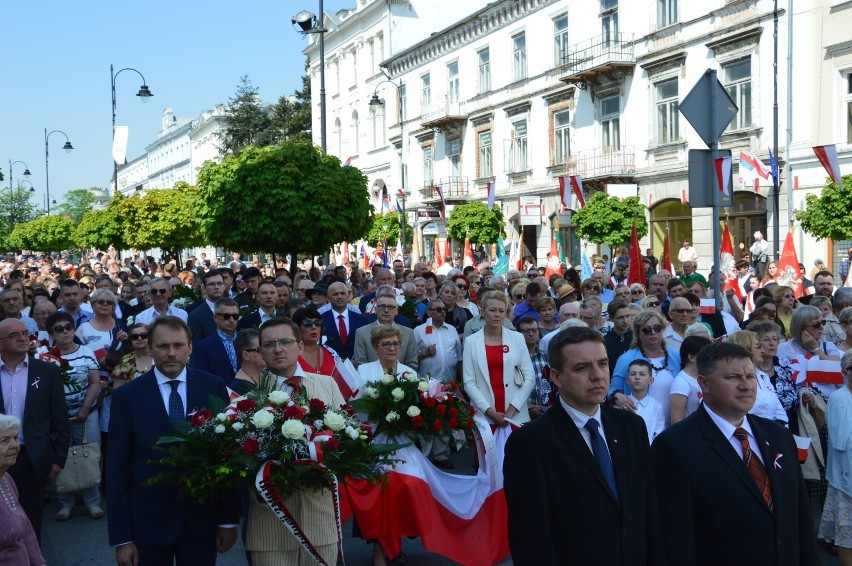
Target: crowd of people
x: 609, y: 366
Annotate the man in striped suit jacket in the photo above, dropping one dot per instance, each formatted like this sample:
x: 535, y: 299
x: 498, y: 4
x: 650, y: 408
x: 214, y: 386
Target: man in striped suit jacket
x: 269, y: 541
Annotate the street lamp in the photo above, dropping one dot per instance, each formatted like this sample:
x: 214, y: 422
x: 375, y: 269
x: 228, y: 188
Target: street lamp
x: 26, y: 173
x: 67, y: 147
x: 306, y: 22
x: 144, y: 94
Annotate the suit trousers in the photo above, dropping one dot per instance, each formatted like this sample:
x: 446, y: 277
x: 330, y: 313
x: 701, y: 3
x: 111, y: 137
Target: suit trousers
x: 293, y: 557
x: 31, y: 490
x: 185, y: 552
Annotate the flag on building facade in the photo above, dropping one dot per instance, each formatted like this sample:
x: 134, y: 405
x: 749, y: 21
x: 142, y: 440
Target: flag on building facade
x: 442, y: 209
x: 788, y: 267
x: 827, y: 155
x: 727, y: 268
x: 577, y: 187
x: 752, y: 165
x: 723, y: 174
x: 773, y: 167
x: 492, y: 193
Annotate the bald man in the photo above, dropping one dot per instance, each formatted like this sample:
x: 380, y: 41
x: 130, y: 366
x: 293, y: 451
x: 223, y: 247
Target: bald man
x: 341, y: 322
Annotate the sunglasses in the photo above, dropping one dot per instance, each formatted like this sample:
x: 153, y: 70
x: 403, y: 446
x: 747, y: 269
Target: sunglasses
x: 592, y: 288
x: 656, y: 304
x: 138, y: 336
x: 518, y: 296
x: 158, y: 291
x: 59, y: 328
x: 463, y: 287
x: 636, y: 292
x: 648, y: 330
x: 308, y: 323
x: 105, y: 303
x: 680, y: 311
x: 817, y: 324
x: 229, y: 315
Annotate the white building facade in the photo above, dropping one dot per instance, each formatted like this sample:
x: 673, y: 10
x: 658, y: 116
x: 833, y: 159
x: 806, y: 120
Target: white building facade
x: 521, y: 92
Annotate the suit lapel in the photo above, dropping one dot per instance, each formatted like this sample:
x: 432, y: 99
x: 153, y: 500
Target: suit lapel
x: 483, y: 359
x: 726, y: 452
x: 155, y: 399
x: 196, y: 396
x: 620, y: 460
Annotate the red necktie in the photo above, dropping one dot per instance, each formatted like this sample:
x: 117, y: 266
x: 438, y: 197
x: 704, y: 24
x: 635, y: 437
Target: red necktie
x: 755, y: 467
x: 295, y: 383
x: 341, y: 329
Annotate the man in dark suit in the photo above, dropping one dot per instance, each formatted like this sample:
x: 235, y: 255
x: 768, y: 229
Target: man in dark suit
x: 267, y: 298
x: 32, y: 391
x: 340, y: 318
x: 724, y: 475
x: 155, y: 524
x: 578, y: 480
x: 216, y: 354
x: 200, y: 318
x: 383, y: 277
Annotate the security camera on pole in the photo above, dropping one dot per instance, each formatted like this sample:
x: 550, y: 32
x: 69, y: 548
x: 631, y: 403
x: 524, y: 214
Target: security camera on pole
x: 709, y: 109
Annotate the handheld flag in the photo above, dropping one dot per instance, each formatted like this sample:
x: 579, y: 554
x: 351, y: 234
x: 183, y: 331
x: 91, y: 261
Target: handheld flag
x: 468, y: 253
x: 727, y: 269
x: 827, y: 155
x: 439, y: 258
x: 788, y: 267
x: 519, y: 259
x: 666, y: 259
x: 447, y: 248
x: 586, y: 270
x: 501, y: 266
x: 637, y: 273
x: 723, y: 174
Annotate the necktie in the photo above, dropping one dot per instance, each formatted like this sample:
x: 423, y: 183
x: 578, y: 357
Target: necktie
x: 295, y: 383
x: 341, y: 329
x: 755, y: 467
x: 602, y: 456
x: 228, y: 342
x: 176, y: 412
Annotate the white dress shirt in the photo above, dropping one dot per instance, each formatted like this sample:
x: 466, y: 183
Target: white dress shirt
x: 150, y: 314
x: 652, y: 413
x: 336, y: 316
x: 448, y: 350
x: 728, y: 432
x: 166, y: 389
x: 580, y: 419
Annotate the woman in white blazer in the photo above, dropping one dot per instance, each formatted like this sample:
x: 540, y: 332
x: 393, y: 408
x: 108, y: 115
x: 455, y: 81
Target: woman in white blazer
x: 498, y: 372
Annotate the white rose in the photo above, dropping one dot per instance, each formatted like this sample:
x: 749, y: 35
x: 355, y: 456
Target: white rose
x: 400, y: 300
x: 353, y: 434
x: 262, y: 419
x: 392, y: 416
x: 221, y: 417
x: 371, y: 392
x: 397, y: 393
x: 412, y: 411
x: 279, y: 397
x: 238, y: 426
x: 411, y: 376
x: 293, y: 429
x: 423, y: 386
x: 220, y: 428
x: 387, y: 378
x: 334, y: 421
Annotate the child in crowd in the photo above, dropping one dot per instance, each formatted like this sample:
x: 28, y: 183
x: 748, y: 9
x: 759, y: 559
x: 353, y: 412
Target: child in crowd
x: 640, y: 376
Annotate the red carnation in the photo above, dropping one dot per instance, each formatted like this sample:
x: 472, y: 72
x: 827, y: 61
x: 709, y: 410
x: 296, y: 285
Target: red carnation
x: 453, y: 423
x: 347, y: 408
x: 332, y: 444
x: 316, y: 405
x: 437, y: 425
x: 440, y: 410
x: 245, y: 405
x: 452, y: 385
x: 251, y: 446
x: 201, y: 417
x: 469, y: 424
x: 365, y: 429
x: 429, y: 401
x: 295, y: 412
x: 454, y: 412
x: 417, y: 421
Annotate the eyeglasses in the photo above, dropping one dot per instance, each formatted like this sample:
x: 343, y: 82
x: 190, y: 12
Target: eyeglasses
x: 105, y: 303
x: 680, y: 311
x: 529, y: 330
x: 58, y: 329
x: 592, y: 288
x: 229, y: 315
x: 284, y: 342
x: 463, y: 287
x: 158, y: 291
x: 636, y: 292
x: 654, y: 304
x: 308, y: 323
x: 21, y: 334
x: 252, y: 350
x: 648, y: 330
x: 817, y: 324
x: 138, y: 336
x: 385, y: 307
x: 437, y: 309
x: 389, y: 345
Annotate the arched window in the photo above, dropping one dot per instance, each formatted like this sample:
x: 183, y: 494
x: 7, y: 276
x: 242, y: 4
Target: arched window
x: 674, y: 216
x: 338, y: 135
x: 356, y: 132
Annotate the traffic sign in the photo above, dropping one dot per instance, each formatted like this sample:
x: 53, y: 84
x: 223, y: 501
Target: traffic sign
x: 702, y: 173
x: 708, y: 107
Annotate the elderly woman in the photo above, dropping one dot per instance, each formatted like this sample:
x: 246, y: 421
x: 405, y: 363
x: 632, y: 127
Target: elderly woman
x: 247, y: 347
x: 103, y: 332
x: 648, y: 345
x: 845, y: 319
x: 766, y: 403
x: 836, y: 521
x: 386, y: 341
x: 651, y: 302
x: 777, y: 369
x: 785, y: 301
x: 498, y: 371
x: 80, y: 401
x: 590, y: 288
x: 637, y: 292
x: 806, y: 328
x: 40, y: 313
x: 18, y: 543
x: 457, y: 315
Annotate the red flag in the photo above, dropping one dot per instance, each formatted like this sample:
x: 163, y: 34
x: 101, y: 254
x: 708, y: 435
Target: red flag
x: 788, y: 267
x: 442, y: 209
x: 637, y: 272
x: 468, y: 253
x: 827, y: 155
x: 519, y: 264
x: 666, y: 260
x: 564, y: 198
x: 345, y: 252
x: 553, y: 265
x: 447, y: 247
x: 439, y: 259
x: 577, y: 187
x: 727, y: 269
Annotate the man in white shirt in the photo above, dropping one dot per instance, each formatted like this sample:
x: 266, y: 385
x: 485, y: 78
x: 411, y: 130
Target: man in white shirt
x: 687, y: 253
x: 759, y: 254
x: 680, y: 313
x: 160, y: 291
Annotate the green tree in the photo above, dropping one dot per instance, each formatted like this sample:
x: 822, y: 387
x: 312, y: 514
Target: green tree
x: 608, y: 220
x: 288, y: 198
x: 163, y: 218
x: 386, y: 228
x: 16, y: 206
x: 246, y: 122
x: 827, y: 215
x: 291, y: 117
x: 473, y: 220
x: 44, y: 234
x: 76, y: 204
x: 102, y: 228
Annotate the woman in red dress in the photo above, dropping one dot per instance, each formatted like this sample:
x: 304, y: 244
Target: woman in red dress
x: 315, y: 357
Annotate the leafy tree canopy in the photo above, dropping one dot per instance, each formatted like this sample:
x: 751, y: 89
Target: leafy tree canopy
x: 827, y: 215
x: 163, y: 218
x: 386, y: 228
x: 102, y: 228
x: 475, y: 221
x: 608, y: 219
x: 246, y: 119
x: 288, y: 198
x: 76, y: 204
x: 16, y: 207
x: 44, y: 234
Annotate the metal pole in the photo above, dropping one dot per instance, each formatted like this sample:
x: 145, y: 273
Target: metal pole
x: 11, y: 200
x: 776, y: 228
x: 114, y: 163
x: 322, y: 76
x: 714, y: 154
x: 46, y: 172
x: 788, y: 169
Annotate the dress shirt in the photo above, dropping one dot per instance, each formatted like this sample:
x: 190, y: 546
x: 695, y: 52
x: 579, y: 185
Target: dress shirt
x: 211, y: 304
x: 350, y: 307
x: 14, y: 383
x: 263, y: 316
x: 166, y: 389
x: 150, y: 314
x: 336, y: 316
x: 81, y: 316
x: 448, y: 350
x: 728, y: 432
x: 281, y: 381
x: 580, y: 420
x: 672, y: 337
x: 652, y: 413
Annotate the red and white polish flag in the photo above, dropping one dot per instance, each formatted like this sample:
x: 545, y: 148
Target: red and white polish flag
x: 803, y: 443
x: 827, y: 155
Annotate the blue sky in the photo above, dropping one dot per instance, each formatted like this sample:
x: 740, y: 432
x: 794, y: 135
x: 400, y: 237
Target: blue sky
x: 55, y: 74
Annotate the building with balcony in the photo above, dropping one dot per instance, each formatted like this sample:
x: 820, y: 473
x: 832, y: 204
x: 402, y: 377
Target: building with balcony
x: 520, y: 92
